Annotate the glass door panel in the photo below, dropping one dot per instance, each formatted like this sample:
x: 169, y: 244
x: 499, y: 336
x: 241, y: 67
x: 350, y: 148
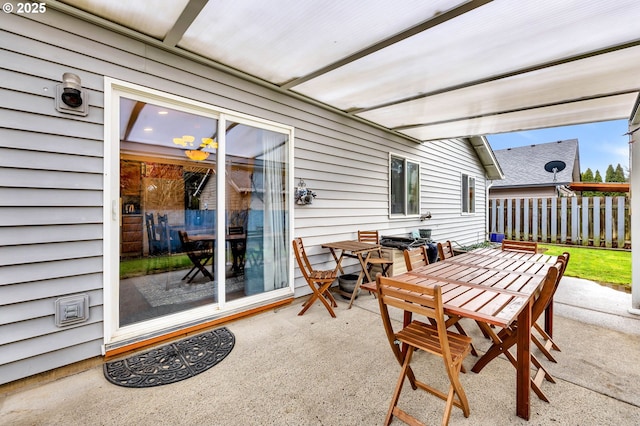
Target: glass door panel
x: 256, y: 214
x: 168, y: 211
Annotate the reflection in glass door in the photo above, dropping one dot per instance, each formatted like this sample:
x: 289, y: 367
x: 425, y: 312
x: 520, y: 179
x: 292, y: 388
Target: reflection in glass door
x: 167, y: 159
x: 257, y: 255
x: 181, y: 185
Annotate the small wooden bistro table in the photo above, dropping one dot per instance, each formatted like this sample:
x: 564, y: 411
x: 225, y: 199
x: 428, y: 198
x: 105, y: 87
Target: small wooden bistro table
x: 355, y: 249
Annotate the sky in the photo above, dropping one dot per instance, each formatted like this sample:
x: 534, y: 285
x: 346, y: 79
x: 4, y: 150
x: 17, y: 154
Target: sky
x: 600, y: 144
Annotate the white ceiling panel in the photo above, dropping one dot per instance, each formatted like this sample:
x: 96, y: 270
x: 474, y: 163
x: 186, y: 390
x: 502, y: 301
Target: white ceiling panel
x: 151, y: 17
x: 611, y: 73
x: 278, y: 40
x: 609, y: 108
x: 494, y: 39
x: 428, y: 69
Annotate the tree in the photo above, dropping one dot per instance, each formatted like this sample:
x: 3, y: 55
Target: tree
x: 587, y: 176
x: 610, y: 175
x: 597, y: 178
x: 620, y: 174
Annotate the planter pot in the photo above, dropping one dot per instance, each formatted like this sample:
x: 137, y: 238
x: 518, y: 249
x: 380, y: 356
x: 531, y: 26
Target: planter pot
x: 347, y: 284
x: 425, y: 233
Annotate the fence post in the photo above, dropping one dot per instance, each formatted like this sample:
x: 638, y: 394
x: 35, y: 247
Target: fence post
x: 509, y: 229
x: 608, y: 221
x: 525, y: 207
x: 597, y: 234
x: 585, y: 221
x: 621, y: 214
x: 517, y: 225
x: 575, y: 219
x: 544, y: 220
x: 563, y: 220
x: 554, y: 220
x: 492, y: 227
x: 534, y: 219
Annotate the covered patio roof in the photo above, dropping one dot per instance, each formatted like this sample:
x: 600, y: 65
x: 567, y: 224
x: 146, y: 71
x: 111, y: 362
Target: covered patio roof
x: 429, y: 70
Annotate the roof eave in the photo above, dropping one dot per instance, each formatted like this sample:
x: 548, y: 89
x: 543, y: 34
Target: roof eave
x: 492, y: 168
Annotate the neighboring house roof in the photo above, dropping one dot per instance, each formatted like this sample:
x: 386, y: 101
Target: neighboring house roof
x: 525, y: 166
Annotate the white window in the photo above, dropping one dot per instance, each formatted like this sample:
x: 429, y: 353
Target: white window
x: 468, y: 194
x: 404, y: 183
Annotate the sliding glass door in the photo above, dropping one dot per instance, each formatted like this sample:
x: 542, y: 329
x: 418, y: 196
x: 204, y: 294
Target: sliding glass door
x: 202, y: 212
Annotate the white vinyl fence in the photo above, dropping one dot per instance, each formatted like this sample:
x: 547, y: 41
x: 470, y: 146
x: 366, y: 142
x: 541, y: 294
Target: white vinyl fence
x: 587, y: 221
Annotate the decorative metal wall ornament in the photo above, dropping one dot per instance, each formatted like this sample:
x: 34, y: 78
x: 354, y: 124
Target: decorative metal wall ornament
x: 303, y: 195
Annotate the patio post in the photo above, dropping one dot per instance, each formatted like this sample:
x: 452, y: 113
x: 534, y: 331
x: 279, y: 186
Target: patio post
x: 634, y: 195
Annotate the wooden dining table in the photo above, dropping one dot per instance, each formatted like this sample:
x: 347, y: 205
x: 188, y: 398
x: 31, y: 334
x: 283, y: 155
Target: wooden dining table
x: 211, y: 238
x: 354, y: 249
x: 493, y: 287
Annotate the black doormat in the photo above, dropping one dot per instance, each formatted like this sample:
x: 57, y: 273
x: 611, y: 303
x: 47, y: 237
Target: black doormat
x: 173, y: 362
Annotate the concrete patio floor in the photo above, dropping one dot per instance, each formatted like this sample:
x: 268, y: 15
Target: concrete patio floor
x: 316, y: 370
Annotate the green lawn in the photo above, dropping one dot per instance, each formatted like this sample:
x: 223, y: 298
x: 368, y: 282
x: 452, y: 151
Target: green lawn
x: 595, y: 264
x: 153, y: 265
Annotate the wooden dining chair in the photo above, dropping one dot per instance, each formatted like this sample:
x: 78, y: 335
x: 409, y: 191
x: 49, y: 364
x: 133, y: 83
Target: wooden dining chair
x: 543, y: 340
x: 376, y: 258
x: 522, y: 246
x: 199, y: 252
x: 318, y: 280
x: 507, y: 337
x: 445, y: 250
x: 419, y: 257
x: 238, y: 248
x: 416, y: 258
x: 430, y: 338
x: 155, y: 245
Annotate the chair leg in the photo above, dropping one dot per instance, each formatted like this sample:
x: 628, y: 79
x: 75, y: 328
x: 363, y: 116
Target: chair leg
x: 548, y: 344
x: 393, y: 407
x: 458, y: 327
x: 500, y: 346
x: 318, y: 294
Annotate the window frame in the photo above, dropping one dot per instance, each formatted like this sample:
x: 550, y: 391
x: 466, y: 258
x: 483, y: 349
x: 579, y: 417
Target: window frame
x: 114, y: 335
x: 468, y: 200
x: 406, y: 160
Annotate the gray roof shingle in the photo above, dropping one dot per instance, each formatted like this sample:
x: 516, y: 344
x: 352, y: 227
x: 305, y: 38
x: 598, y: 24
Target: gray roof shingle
x: 524, y: 166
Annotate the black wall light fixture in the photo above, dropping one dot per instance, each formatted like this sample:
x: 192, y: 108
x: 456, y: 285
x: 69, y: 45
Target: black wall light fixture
x: 71, y: 98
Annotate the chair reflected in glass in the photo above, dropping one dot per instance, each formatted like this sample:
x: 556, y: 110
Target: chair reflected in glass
x: 155, y: 244
x: 238, y: 248
x: 162, y: 239
x: 200, y: 253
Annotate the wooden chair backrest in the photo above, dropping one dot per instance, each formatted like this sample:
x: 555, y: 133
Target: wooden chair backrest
x: 525, y: 246
x: 445, y: 250
x: 564, y: 258
x: 236, y: 230
x: 425, y: 301
x: 416, y: 258
x: 545, y: 296
x: 369, y: 237
x: 151, y: 227
x: 184, y: 238
x: 301, y: 257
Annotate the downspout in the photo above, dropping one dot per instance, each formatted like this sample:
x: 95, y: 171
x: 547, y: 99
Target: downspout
x: 487, y: 208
